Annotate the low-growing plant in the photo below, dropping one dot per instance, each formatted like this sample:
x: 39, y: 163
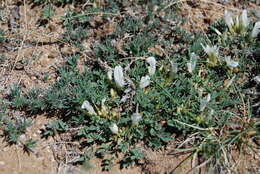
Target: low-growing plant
x: 159, y: 82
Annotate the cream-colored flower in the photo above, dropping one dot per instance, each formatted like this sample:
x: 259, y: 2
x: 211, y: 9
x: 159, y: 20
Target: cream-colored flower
x: 119, y: 76
x: 86, y: 105
x: 240, y: 24
x: 192, y: 63
x: 231, y: 63
x: 244, y: 19
x: 212, y: 52
x: 204, y: 101
x: 136, y: 117
x: 144, y: 82
x: 110, y: 74
x: 228, y: 19
x: 114, y: 128
x: 152, y: 65
x: 256, y: 30
x: 174, y: 67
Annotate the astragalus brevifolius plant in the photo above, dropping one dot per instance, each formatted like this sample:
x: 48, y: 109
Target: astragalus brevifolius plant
x: 150, y: 83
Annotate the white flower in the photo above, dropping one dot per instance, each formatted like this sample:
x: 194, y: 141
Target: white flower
x: 192, y: 63
x: 228, y: 19
x: 174, y: 67
x: 204, y: 101
x: 256, y: 30
x: 114, y: 128
x: 119, y: 76
x: 257, y: 79
x: 144, y: 82
x: 152, y: 65
x: 244, y: 19
x: 86, y: 105
x: 104, y: 108
x: 211, y: 51
x: 200, y: 91
x: 231, y: 63
x: 136, y: 117
x: 110, y: 74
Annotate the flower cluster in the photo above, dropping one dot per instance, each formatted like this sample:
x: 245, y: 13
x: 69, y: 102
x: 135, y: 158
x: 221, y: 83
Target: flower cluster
x: 117, y: 74
x: 240, y: 24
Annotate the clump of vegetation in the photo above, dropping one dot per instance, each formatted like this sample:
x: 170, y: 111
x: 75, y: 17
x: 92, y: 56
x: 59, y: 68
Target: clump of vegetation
x: 147, y: 80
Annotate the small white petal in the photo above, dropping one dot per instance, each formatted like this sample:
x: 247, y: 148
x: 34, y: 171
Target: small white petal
x: 244, y: 19
x: 144, y: 82
x: 136, y: 117
x: 210, y: 51
x: 152, y: 65
x: 86, y: 105
x: 208, y: 98
x: 174, y: 67
x: 257, y: 79
x: 113, y: 128
x: 200, y: 91
x: 192, y: 63
x: 231, y: 63
x: 189, y: 67
x: 110, y: 74
x: 256, y: 30
x: 119, y: 76
x: 204, y: 101
x: 228, y: 19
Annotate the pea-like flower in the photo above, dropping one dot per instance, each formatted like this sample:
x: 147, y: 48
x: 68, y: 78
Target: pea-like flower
x: 174, y: 67
x: 113, y: 128
x: 212, y: 52
x: 228, y: 19
x: 192, y: 63
x: 231, y: 63
x: 144, y: 82
x: 86, y: 105
x: 241, y: 22
x: 204, y: 101
x: 110, y: 74
x: 136, y: 117
x: 119, y: 76
x: 256, y: 30
x: 152, y: 65
x: 244, y: 19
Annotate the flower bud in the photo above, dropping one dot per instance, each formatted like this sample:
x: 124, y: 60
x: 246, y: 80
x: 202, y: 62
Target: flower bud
x: 228, y: 19
x: 174, y: 67
x: 86, y: 105
x: 152, y: 65
x: 119, y: 76
x: 136, y: 117
x: 256, y: 30
x: 114, y: 128
x: 231, y: 63
x: 204, y: 101
x: 110, y: 74
x: 144, y: 82
x: 244, y: 19
x: 192, y: 63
